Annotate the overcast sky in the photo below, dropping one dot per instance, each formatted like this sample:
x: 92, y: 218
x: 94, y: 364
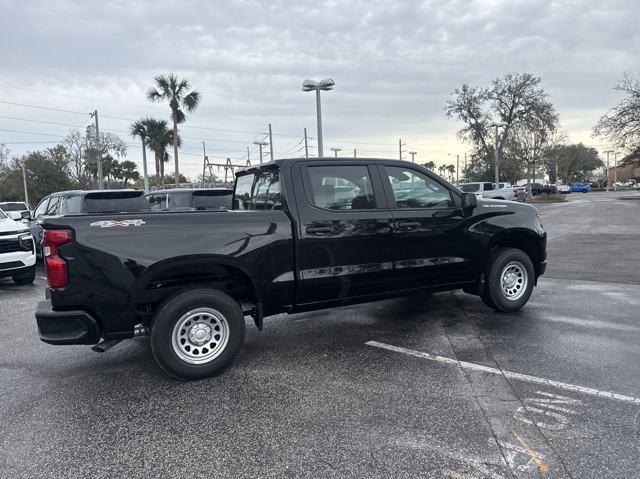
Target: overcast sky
x: 395, y: 64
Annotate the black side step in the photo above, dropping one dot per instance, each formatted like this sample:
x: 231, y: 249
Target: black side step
x: 105, y: 345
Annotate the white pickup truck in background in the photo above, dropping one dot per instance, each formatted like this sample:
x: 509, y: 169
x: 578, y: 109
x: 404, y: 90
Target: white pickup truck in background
x: 489, y: 190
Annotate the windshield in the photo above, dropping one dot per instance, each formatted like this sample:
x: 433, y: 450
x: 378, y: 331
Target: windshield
x: 2, y: 215
x: 470, y: 187
x: 13, y: 206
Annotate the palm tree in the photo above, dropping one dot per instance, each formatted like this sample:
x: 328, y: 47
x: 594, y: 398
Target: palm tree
x: 451, y: 169
x: 176, y: 92
x: 441, y: 170
x: 157, y: 136
x: 430, y: 165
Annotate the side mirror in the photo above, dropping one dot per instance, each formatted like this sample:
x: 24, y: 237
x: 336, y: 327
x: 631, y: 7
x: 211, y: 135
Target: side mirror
x: 469, y: 202
x: 26, y: 215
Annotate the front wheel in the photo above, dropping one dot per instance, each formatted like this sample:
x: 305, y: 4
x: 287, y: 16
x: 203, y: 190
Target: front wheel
x: 510, y: 279
x: 197, y: 334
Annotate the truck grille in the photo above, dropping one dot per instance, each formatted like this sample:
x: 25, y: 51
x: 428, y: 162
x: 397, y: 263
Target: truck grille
x: 16, y: 244
x: 9, y: 246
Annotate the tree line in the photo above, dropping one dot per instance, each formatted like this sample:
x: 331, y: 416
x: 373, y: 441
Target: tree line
x: 72, y: 164
x: 529, y: 137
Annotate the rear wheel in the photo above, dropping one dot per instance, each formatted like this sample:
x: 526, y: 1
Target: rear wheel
x: 197, y: 334
x: 25, y: 278
x: 509, y: 280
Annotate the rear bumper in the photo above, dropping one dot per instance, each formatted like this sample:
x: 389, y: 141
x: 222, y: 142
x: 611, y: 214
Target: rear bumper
x: 66, y: 327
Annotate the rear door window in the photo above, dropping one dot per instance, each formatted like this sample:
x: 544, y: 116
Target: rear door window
x: 341, y: 187
x: 414, y: 189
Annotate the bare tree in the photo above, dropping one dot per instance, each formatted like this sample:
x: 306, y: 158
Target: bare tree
x: 621, y: 124
x: 515, y: 100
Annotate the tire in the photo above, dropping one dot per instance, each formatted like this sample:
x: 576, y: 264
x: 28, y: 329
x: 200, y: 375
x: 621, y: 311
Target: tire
x: 509, y: 280
x: 197, y: 333
x: 27, y: 277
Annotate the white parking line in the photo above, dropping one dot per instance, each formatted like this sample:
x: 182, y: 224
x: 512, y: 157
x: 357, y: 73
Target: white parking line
x: 508, y: 374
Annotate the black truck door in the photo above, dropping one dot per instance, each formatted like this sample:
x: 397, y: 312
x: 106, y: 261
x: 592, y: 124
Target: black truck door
x: 344, y: 231
x: 428, y: 237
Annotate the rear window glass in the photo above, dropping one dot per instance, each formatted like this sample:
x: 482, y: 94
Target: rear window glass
x: 179, y: 200
x: 103, y: 203
x: 470, y: 188
x: 13, y: 206
x: 259, y: 192
x: 2, y: 215
x: 214, y: 199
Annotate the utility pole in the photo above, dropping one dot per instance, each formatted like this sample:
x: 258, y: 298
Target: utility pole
x: 94, y: 115
x: 24, y: 182
x: 204, y: 162
x: 145, y: 175
x: 457, y: 168
x: 260, y: 144
x: 354, y: 153
x: 306, y: 145
x: 608, y: 152
x: 413, y: 156
x: 400, y: 145
x: 270, y: 144
x: 615, y: 171
x: 248, y: 157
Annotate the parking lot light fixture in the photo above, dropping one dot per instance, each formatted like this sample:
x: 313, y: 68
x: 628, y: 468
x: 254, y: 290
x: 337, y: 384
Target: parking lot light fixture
x: 335, y: 151
x: 310, y: 85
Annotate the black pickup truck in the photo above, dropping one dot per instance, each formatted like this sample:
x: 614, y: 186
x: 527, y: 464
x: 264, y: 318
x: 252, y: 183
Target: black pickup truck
x: 303, y: 234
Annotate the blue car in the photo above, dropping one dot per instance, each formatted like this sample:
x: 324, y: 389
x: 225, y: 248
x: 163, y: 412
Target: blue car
x: 580, y: 188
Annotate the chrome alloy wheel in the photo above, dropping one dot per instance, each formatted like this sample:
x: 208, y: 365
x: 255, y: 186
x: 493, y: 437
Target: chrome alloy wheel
x: 513, y: 280
x: 200, y: 335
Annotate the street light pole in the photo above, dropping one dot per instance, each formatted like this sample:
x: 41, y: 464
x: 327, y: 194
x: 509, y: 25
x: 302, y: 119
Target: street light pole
x: 497, y: 157
x: 306, y: 145
x: 24, y: 182
x: 310, y: 85
x: 144, y: 166
x: 335, y: 151
x: 319, y: 123
x: 413, y: 156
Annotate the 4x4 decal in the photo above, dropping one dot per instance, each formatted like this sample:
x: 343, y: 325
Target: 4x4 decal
x: 117, y: 223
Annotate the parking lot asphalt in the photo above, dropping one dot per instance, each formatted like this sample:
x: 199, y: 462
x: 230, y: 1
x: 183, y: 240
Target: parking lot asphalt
x: 436, y: 386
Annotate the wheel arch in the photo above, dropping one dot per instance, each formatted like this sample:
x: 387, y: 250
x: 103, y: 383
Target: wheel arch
x: 212, y: 271
x: 521, y: 239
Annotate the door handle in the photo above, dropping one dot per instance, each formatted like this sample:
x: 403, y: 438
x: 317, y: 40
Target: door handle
x: 408, y: 224
x: 319, y: 229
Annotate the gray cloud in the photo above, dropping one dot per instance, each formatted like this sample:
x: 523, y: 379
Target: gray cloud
x: 394, y: 62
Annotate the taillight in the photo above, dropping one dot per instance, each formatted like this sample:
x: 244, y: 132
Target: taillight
x: 54, y: 265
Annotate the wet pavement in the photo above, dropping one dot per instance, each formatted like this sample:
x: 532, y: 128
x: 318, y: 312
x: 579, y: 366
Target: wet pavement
x: 434, y: 386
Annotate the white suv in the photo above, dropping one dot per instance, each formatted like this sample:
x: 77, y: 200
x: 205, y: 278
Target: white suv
x: 17, y: 251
